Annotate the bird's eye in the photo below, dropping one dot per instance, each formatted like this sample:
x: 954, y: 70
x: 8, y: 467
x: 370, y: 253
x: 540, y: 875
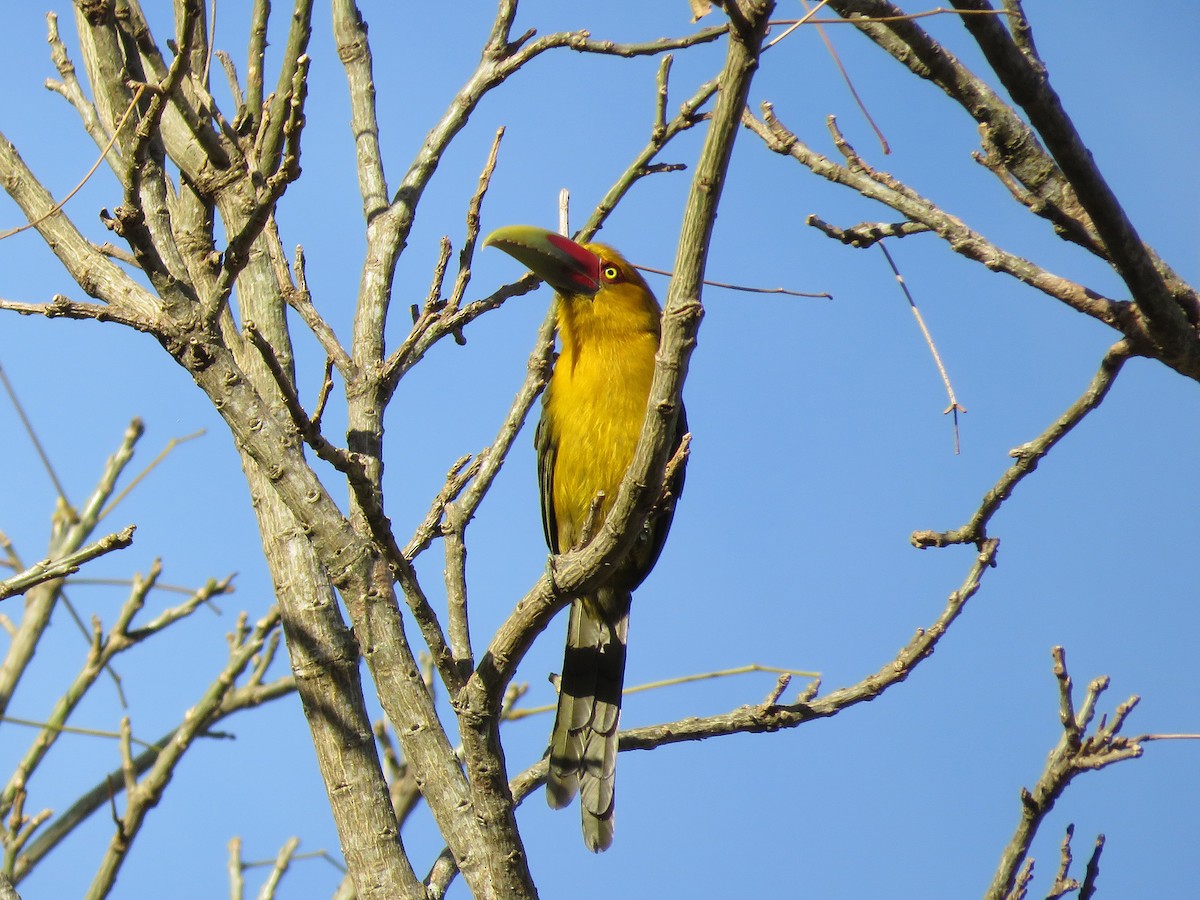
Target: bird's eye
x: 612, y: 273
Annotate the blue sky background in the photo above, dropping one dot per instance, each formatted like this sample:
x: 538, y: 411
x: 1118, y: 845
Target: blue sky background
x: 819, y: 447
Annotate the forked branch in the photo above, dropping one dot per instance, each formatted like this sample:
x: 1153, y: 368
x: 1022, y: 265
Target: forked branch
x: 1076, y: 752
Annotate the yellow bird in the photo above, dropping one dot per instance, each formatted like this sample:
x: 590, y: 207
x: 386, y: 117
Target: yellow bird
x: 592, y: 414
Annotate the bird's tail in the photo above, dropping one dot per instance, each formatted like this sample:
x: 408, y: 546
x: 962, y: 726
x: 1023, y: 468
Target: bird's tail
x: 583, y: 746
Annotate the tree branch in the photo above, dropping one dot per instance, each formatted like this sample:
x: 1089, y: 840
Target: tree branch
x: 90, y: 269
x: 71, y: 530
x: 1030, y: 454
x: 770, y: 716
x: 50, y: 569
x: 143, y: 794
x: 1025, y: 78
x: 1076, y: 752
x: 882, y: 187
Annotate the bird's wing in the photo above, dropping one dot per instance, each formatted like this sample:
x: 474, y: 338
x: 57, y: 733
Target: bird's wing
x: 547, y: 452
x: 645, y: 553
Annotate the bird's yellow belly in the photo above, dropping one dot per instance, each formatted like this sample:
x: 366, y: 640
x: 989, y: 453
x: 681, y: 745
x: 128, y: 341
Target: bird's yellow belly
x: 596, y: 408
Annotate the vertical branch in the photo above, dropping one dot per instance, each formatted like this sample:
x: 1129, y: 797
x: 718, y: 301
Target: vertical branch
x: 472, y: 234
x: 487, y: 847
x: 250, y: 119
x: 295, y: 533
x: 456, y: 521
x: 456, y: 593
x: 748, y: 26
x: 350, y: 34
x: 271, y: 132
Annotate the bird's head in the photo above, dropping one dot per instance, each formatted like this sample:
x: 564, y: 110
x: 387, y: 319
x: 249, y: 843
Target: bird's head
x: 574, y: 270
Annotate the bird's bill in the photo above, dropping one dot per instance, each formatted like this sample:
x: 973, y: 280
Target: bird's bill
x: 560, y: 262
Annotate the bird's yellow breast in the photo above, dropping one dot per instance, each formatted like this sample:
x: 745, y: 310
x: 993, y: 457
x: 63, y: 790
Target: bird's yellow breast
x: 596, y: 400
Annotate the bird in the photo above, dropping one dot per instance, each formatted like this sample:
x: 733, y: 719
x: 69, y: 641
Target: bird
x: 592, y: 414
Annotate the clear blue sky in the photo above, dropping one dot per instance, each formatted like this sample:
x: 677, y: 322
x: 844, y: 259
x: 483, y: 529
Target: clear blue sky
x: 819, y: 446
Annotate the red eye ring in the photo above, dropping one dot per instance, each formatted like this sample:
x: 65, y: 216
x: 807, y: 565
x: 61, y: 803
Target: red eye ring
x: 611, y: 272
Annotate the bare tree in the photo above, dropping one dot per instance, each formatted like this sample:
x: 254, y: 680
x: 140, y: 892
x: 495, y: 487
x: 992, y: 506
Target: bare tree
x: 202, y: 268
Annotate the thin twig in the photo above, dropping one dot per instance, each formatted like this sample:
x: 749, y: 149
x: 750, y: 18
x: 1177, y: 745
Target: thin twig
x: 659, y: 128
x: 1087, y: 890
x: 907, y: 17
x: 33, y: 438
x: 61, y: 307
x: 340, y: 459
x: 74, y: 729
x: 137, y: 96
x: 212, y: 37
x: 837, y: 61
x: 137, y: 479
x: 867, y: 233
x: 1063, y: 883
x: 825, y: 295
x: 472, y: 234
x: 323, y: 394
x: 954, y: 406
x: 300, y: 299
x: 794, y: 24
x: 672, y: 682
x: 431, y: 526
